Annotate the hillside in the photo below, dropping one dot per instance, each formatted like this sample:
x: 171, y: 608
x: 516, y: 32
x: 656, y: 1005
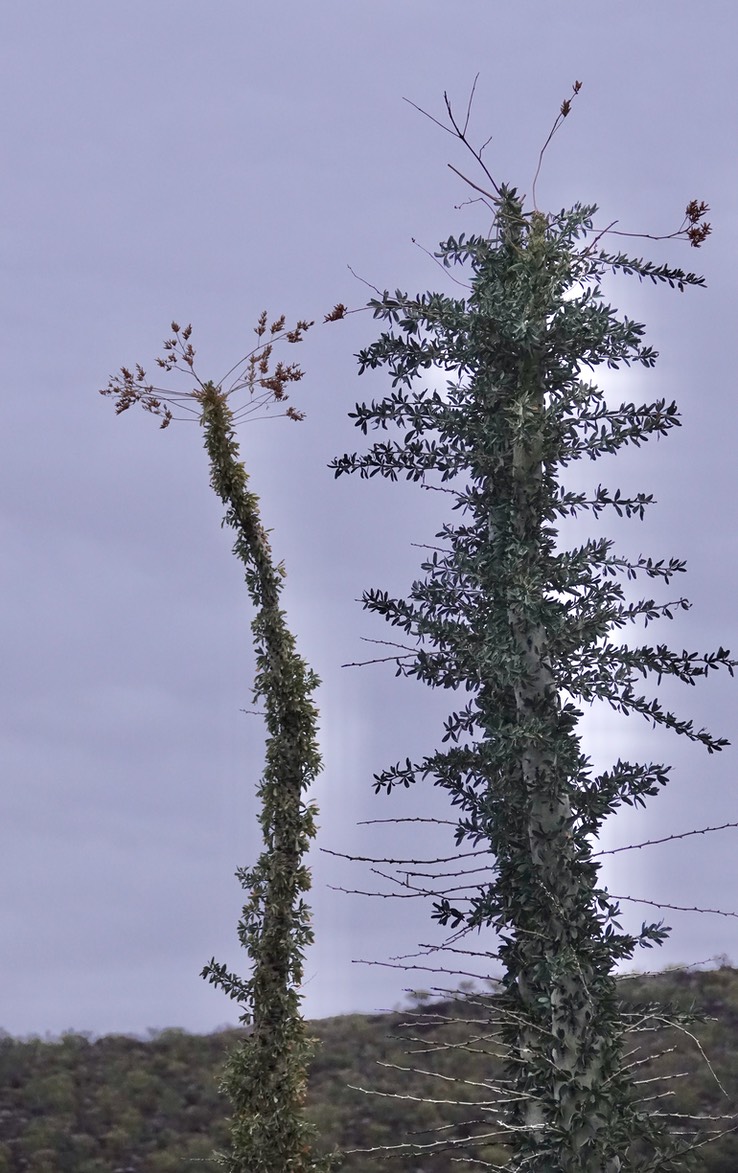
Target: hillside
x: 126, y: 1105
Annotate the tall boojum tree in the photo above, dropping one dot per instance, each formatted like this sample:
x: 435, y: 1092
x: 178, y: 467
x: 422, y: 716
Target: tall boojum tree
x: 266, y: 1074
x: 524, y: 630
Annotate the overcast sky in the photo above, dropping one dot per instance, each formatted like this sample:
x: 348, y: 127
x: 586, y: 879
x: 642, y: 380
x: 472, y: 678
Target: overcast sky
x: 203, y: 162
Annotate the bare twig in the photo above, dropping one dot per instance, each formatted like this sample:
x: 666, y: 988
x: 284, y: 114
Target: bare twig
x: 673, y: 907
x: 563, y: 112
x: 666, y: 839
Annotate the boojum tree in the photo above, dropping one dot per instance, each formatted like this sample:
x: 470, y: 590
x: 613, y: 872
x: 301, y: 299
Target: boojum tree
x: 524, y: 630
x: 265, y: 1075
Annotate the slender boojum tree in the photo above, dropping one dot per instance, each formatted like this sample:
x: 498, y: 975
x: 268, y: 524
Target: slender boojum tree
x: 524, y: 630
x: 266, y: 1074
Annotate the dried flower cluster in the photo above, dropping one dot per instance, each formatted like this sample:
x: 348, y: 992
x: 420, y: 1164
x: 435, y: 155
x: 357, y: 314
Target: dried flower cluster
x: 251, y: 373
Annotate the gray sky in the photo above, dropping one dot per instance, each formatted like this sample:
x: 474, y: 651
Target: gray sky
x: 202, y: 162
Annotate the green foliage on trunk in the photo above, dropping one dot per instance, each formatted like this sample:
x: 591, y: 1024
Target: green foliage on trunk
x: 265, y: 1076
x: 522, y: 632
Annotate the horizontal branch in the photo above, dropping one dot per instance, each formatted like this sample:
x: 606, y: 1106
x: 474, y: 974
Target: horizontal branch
x: 673, y: 907
x: 666, y: 839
